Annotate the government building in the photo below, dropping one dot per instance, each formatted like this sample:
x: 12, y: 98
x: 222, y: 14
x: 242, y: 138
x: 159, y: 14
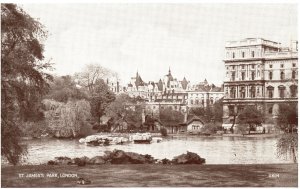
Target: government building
x: 259, y: 72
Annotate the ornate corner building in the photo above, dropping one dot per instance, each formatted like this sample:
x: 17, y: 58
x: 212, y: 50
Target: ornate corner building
x: 259, y: 72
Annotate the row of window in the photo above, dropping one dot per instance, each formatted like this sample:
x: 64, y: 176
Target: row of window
x: 253, y: 66
x: 243, y: 74
x: 282, y: 65
x: 243, y: 54
x: 282, y: 75
x: 281, y: 90
x: 242, y: 92
x: 270, y: 92
x: 195, y: 127
x: 197, y: 102
x: 243, y: 66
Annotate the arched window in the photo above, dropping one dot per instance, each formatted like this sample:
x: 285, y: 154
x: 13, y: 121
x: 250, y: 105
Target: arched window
x: 293, y: 89
x: 252, y: 75
x: 233, y: 55
x: 293, y: 74
x: 243, y: 54
x: 242, y: 92
x: 270, y: 75
x: 281, y: 89
x: 270, y: 90
x: 232, y: 92
x: 282, y: 75
x: 192, y: 102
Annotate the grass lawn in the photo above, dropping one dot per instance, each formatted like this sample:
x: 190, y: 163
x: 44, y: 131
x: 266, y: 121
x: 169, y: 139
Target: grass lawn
x: 277, y: 175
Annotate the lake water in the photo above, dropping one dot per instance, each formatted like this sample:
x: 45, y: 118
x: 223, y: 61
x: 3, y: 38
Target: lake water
x: 216, y: 150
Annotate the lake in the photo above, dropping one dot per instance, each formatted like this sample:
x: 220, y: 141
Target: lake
x: 216, y: 150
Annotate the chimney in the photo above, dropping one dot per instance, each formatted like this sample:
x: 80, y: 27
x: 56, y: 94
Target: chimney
x: 118, y: 89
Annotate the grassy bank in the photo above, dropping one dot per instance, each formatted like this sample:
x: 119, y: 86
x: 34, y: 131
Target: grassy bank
x: 278, y: 175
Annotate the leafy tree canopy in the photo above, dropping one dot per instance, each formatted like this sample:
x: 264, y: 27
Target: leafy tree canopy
x: 288, y: 116
x: 23, y: 80
x: 63, y: 89
x: 171, y: 117
x: 125, y: 108
x: 250, y: 117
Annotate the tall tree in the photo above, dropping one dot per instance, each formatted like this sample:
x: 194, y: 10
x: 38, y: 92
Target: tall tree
x: 100, y: 99
x: 250, y: 117
x: 170, y: 117
x: 67, y: 119
x: 125, y: 108
x: 23, y: 80
x: 218, y: 110
x: 287, y: 121
x: 64, y: 88
x: 92, y: 73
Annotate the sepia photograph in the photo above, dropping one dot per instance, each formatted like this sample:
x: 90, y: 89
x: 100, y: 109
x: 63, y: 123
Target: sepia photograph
x: 149, y: 94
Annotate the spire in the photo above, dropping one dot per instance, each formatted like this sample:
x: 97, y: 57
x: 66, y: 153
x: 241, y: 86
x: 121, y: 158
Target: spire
x: 169, y: 70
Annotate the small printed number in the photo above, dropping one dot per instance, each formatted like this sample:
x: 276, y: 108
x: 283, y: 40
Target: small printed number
x: 273, y: 175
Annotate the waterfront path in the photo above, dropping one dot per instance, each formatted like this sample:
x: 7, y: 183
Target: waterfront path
x: 271, y: 175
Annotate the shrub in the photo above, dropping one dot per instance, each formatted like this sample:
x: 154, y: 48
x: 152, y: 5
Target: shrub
x: 163, y: 132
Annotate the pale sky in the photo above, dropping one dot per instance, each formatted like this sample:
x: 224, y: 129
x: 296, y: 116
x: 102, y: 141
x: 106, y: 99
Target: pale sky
x: 190, y: 38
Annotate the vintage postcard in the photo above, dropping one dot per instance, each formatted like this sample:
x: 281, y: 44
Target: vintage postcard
x: 149, y: 94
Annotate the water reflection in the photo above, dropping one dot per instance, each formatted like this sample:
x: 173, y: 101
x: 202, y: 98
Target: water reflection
x: 216, y: 150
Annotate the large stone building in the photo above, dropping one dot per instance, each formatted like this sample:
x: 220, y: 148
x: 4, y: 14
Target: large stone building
x: 204, y: 95
x: 156, y: 90
x: 259, y: 72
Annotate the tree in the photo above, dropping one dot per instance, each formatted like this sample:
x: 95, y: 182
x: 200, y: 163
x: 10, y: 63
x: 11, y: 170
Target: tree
x: 67, y: 119
x: 287, y: 121
x: 218, y: 110
x: 199, y: 111
x: 250, y: 117
x: 100, y: 99
x: 212, y: 128
x: 63, y: 89
x: 170, y: 117
x: 23, y: 80
x: 125, y: 108
x: 92, y: 73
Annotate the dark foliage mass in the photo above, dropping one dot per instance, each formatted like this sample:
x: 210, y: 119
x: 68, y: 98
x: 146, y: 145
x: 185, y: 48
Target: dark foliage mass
x: 250, y: 117
x: 288, y: 123
x: 63, y: 89
x: 23, y: 81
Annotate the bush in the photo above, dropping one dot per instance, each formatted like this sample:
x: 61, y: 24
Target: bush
x: 163, y: 132
x: 212, y: 128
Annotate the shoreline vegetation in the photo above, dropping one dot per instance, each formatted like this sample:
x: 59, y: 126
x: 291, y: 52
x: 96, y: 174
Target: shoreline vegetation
x: 152, y: 175
x: 266, y: 135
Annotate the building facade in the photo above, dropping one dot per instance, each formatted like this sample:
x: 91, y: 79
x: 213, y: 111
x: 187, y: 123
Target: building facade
x: 259, y: 72
x: 204, y: 95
